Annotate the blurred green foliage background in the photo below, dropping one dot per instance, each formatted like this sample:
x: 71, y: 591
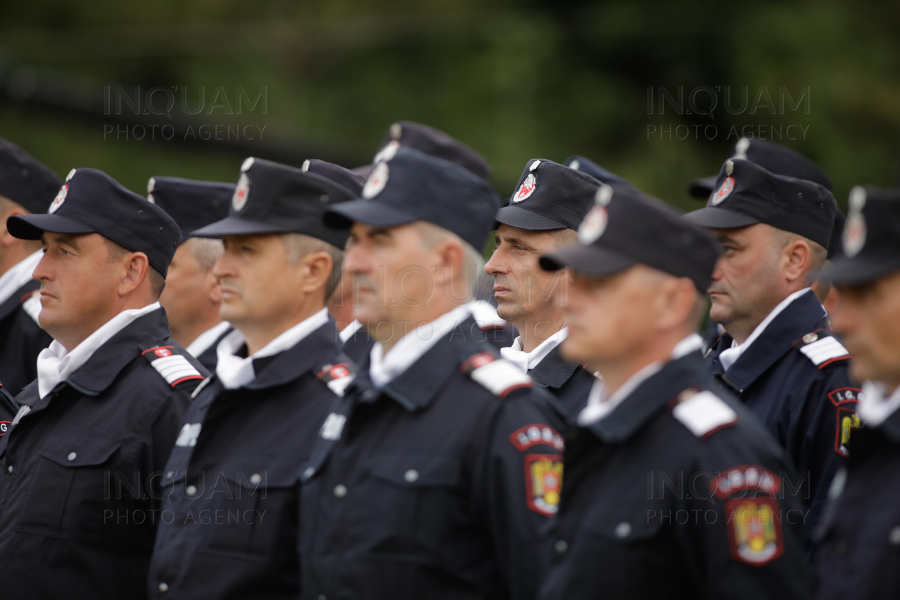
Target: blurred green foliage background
x: 515, y: 80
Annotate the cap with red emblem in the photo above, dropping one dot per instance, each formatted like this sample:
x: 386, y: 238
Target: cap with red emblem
x: 747, y: 194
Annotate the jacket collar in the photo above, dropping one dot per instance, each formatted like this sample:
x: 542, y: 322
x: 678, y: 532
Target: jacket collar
x: 650, y: 397
x: 105, y: 364
x: 296, y: 361
x: 420, y: 384
x: 13, y: 302
x: 797, y: 319
x: 553, y: 371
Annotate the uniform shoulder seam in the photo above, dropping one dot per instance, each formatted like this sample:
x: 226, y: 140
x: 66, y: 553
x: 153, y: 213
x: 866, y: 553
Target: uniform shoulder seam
x: 497, y: 375
x: 703, y: 412
x: 822, y: 348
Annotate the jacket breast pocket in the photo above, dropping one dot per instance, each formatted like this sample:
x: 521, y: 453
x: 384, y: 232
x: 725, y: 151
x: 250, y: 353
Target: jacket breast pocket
x: 250, y: 505
x: 418, y: 502
x: 629, y: 543
x: 72, y: 494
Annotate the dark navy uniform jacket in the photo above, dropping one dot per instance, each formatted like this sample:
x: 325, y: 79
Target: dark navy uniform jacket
x: 232, y: 484
x: 568, y: 382
x: 21, y: 338
x: 208, y: 358
x: 677, y: 493
x: 858, y: 542
x: 80, y: 468
x: 794, y: 378
x: 440, y: 485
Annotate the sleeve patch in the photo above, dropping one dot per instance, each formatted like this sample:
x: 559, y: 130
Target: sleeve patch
x: 32, y: 306
x: 543, y: 482
x: 534, y: 435
x: 823, y: 350
x: 754, y: 530
x: 499, y: 376
x: 337, y: 377
x: 174, y: 367
x: 703, y: 413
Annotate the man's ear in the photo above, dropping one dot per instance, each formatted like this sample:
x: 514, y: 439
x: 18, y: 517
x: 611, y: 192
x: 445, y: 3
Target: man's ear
x: 136, y: 268
x: 6, y: 239
x: 451, y: 257
x: 796, y: 258
x: 317, y: 267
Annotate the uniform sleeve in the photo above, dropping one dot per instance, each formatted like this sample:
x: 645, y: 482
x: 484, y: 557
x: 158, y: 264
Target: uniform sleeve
x: 160, y: 439
x: 521, y: 485
x: 826, y: 423
x: 744, y: 533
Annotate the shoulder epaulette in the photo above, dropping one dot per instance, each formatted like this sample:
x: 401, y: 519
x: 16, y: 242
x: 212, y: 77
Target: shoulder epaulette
x: 337, y: 376
x: 31, y: 304
x: 499, y: 376
x: 171, y: 363
x: 703, y: 412
x: 822, y: 348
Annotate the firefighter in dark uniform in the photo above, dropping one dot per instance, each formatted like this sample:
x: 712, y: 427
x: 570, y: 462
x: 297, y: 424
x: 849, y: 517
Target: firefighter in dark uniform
x: 355, y: 340
x: 778, y: 355
x: 672, y: 489
x: 80, y: 492
x: 193, y: 294
x: 438, y: 476
x: 858, y: 541
x: 780, y: 160
x: 544, y: 212
x: 254, y: 422
x: 26, y: 186
x: 434, y: 142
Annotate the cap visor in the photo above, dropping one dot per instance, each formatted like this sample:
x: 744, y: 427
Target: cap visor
x: 720, y: 218
x: 590, y: 260
x: 31, y: 227
x: 522, y: 218
x: 237, y: 226
x: 703, y: 187
x: 859, y: 270
x: 370, y: 212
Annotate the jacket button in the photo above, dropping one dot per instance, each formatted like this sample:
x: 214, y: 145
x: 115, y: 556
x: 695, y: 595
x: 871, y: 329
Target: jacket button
x: 191, y: 491
x: 321, y: 597
x: 340, y: 491
x: 623, y: 530
x: 411, y: 476
x: 72, y: 456
x: 309, y: 472
x: 163, y: 588
x: 895, y: 536
x: 9, y: 469
x: 170, y: 474
x: 561, y: 546
x: 369, y: 395
x: 255, y: 479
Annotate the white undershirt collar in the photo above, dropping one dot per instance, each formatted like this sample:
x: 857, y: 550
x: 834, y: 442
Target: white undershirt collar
x: 55, y: 364
x: 529, y: 360
x: 730, y: 355
x: 19, y: 275
x: 384, y: 368
x: 234, y: 371
x: 874, y: 408
x: 206, y: 339
x: 347, y: 332
x: 600, y: 404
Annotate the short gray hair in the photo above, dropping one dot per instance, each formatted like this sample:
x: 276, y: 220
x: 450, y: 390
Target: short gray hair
x: 205, y: 251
